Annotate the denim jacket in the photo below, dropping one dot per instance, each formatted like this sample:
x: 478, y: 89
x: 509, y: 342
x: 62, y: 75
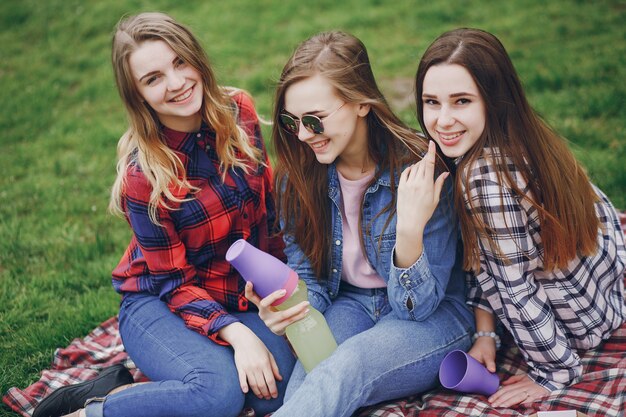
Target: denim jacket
x: 436, y: 276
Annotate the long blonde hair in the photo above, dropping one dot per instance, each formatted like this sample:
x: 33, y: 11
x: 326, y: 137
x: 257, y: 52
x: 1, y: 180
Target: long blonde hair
x: 143, y: 144
x: 559, y: 187
x: 301, y: 181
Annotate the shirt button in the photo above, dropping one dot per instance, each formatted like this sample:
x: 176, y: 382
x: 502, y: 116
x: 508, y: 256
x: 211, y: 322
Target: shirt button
x: 334, y: 270
x: 405, y: 275
x: 337, y: 242
x: 408, y: 281
x: 199, y: 135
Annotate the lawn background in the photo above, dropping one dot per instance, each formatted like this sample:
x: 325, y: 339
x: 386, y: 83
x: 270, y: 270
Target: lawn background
x: 61, y: 118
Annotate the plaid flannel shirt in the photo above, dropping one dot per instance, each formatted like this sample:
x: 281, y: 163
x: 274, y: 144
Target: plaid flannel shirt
x: 553, y: 314
x: 183, y: 260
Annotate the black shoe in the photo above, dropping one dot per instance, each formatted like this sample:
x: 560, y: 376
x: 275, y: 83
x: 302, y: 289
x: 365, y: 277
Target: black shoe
x: 72, y: 397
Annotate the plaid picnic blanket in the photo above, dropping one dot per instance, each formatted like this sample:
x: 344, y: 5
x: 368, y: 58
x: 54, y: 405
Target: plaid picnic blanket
x: 601, y: 392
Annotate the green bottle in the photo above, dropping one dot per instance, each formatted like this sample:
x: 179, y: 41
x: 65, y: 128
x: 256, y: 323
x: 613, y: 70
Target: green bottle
x: 310, y: 337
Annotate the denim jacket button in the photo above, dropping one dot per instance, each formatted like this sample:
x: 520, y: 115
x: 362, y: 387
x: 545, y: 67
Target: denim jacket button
x: 337, y: 242
x: 334, y: 270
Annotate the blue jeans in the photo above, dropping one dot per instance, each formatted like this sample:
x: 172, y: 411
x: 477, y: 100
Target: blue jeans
x: 379, y: 356
x: 193, y: 376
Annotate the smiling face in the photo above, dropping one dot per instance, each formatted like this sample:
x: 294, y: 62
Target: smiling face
x: 170, y: 86
x: 345, y: 129
x: 453, y: 109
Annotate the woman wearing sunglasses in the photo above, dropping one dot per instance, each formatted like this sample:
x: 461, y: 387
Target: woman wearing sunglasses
x: 367, y: 231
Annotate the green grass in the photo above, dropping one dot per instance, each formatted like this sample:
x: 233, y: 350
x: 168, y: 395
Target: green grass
x: 61, y: 118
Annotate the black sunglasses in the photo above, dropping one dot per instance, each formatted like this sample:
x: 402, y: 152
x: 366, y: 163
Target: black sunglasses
x: 310, y: 122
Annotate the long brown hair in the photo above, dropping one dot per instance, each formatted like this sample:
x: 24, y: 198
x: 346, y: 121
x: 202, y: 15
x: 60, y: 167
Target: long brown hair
x: 559, y: 188
x: 143, y: 143
x: 301, y: 181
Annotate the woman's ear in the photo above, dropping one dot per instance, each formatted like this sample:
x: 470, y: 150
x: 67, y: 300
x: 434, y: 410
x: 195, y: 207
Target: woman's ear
x: 364, y: 109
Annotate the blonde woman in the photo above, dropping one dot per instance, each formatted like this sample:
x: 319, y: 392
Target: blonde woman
x: 193, y: 177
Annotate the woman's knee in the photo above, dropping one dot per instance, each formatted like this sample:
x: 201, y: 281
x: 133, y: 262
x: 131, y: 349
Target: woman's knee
x: 208, y: 396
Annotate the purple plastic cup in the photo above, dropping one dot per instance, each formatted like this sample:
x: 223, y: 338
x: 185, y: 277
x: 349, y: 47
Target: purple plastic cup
x: 460, y: 372
x: 266, y: 272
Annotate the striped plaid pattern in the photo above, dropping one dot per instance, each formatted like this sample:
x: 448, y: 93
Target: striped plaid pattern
x: 551, y: 314
x: 601, y: 392
x: 183, y: 261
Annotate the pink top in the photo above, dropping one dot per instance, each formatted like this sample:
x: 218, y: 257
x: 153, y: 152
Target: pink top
x: 356, y: 270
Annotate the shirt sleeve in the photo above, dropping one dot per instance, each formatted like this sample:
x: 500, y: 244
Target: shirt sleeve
x: 507, y: 279
x: 425, y: 282
x: 475, y: 295
x: 171, y: 276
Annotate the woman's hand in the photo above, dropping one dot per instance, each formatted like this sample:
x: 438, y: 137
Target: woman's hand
x: 484, y: 351
x: 418, y: 196
x: 275, y: 320
x: 518, y: 389
x: 255, y: 364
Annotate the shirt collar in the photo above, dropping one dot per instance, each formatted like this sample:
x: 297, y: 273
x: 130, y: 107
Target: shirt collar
x: 183, y: 141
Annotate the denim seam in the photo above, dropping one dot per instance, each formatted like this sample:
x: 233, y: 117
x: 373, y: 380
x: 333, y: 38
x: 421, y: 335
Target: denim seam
x: 158, y: 342
x: 406, y: 365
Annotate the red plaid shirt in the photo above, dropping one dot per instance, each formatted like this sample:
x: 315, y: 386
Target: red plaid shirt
x: 183, y: 260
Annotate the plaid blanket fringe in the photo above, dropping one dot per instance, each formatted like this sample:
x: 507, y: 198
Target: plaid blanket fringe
x: 601, y: 392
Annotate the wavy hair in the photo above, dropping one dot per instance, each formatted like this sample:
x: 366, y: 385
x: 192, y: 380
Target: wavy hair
x: 301, y: 181
x: 143, y: 143
x: 559, y: 187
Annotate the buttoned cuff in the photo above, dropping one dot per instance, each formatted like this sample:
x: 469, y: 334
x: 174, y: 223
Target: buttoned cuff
x: 411, y: 277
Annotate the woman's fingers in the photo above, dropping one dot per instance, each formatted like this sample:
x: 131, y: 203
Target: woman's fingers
x: 243, y: 380
x: 427, y: 166
x: 275, y: 369
x: 272, y: 390
x: 517, y: 389
x: 278, y: 321
x: 253, y: 380
x: 263, y: 379
x: 251, y: 295
x: 270, y: 299
x: 439, y: 185
x: 510, y: 398
x: 514, y: 379
x: 423, y: 170
x: 490, y: 364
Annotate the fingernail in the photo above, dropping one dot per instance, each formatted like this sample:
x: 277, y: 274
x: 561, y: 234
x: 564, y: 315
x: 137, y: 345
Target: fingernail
x: 282, y: 292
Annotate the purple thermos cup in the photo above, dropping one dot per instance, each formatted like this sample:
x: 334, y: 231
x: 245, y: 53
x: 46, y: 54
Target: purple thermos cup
x: 460, y: 372
x: 266, y: 272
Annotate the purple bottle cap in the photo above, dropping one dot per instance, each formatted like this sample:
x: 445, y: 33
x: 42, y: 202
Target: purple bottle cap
x: 266, y: 272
